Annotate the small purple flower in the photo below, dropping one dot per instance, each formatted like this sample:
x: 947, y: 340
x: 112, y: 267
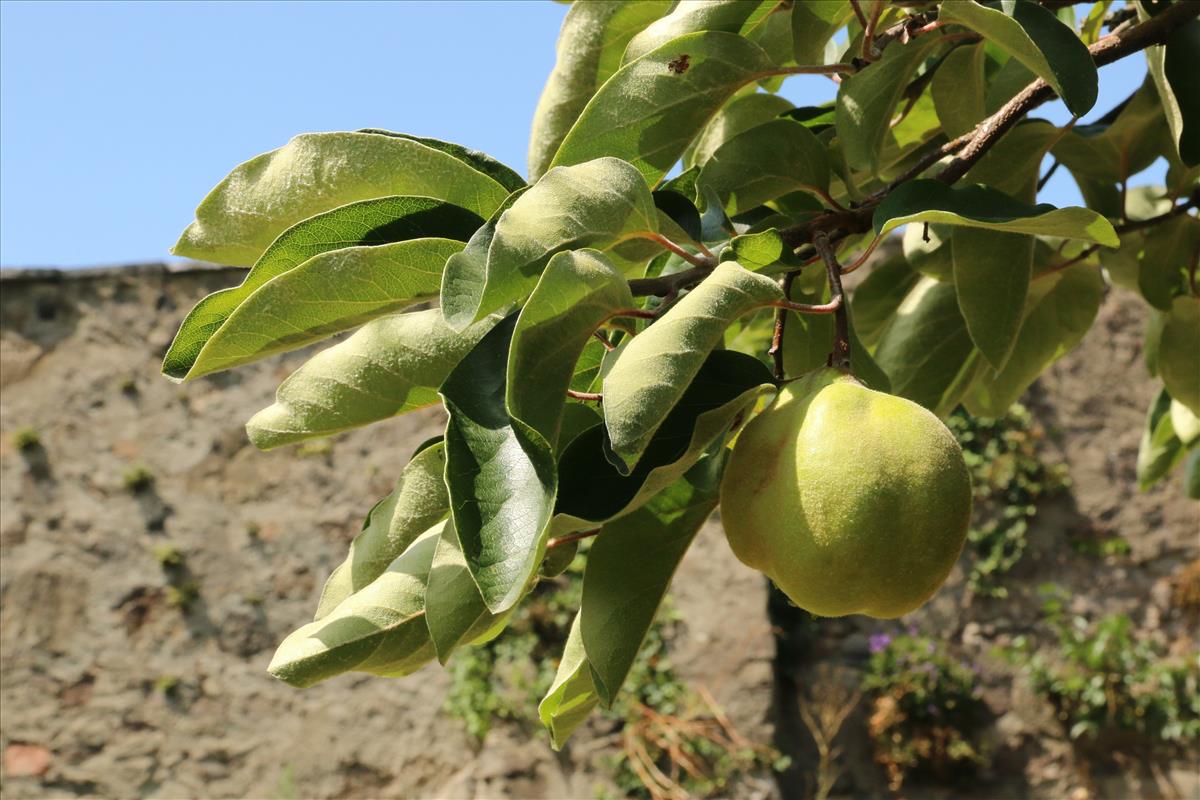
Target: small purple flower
x: 929, y: 648
x: 879, y: 642
x: 912, y: 629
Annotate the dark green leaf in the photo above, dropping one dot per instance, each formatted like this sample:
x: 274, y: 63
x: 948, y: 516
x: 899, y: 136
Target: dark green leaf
x: 766, y: 162
x: 740, y: 114
x: 992, y: 271
x: 876, y: 299
x: 959, y: 89
x: 814, y: 22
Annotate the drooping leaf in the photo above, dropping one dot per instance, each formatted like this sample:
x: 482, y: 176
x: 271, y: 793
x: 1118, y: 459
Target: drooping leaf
x: 814, y: 22
x: 578, y: 291
x: 982, y: 207
x: 328, y: 293
x: 740, y: 114
x: 418, y: 502
x: 363, y: 224
x: 724, y: 391
x: 621, y: 595
x: 572, y: 696
x: 992, y: 270
x: 596, y: 204
x: 655, y: 369
x: 1173, y: 69
x: 1037, y: 39
x: 959, y: 89
x: 1160, y: 449
x: 379, y: 629
x: 766, y: 162
x: 316, y: 172
x: 1060, y: 311
x: 593, y: 38
x: 732, y: 16
x: 390, y: 366
x: 867, y: 100
x: 454, y: 609
x: 500, y: 474
x: 1169, y: 252
x: 876, y: 299
x: 653, y: 107
x: 926, y: 350
x: 1179, y: 352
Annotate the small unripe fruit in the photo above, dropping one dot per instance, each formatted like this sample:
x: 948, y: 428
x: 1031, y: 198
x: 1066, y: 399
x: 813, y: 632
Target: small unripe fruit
x: 852, y: 501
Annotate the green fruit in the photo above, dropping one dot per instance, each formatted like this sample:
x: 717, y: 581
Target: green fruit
x: 851, y: 500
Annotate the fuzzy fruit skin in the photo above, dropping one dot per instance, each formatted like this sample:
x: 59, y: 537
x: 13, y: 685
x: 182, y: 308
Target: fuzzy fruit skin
x: 853, y: 501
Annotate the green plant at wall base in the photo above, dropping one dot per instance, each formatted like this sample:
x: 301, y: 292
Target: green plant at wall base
x: 26, y: 439
x: 137, y: 479
x: 573, y: 323
x: 1009, y: 478
x: 1105, y: 676
x: 927, y: 714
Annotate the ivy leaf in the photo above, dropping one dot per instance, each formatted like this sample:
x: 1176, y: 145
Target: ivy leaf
x: 721, y: 396
x: 875, y: 300
x: 738, y: 115
x: 621, y: 594
x: 379, y: 629
x: 418, y: 502
x: 316, y: 172
x: 732, y: 16
x: 655, y: 369
x: 364, y: 224
x: 814, y: 22
x: 867, y: 100
x: 597, y: 204
x: 1037, y: 39
x: 572, y: 695
x: 499, y: 473
x: 1163, y: 266
x: 593, y: 38
x: 390, y: 366
x: 982, y: 207
x: 766, y: 162
x: 648, y: 113
x: 926, y: 350
x: 454, y: 609
x: 959, y: 89
x: 1160, y: 449
x: 1110, y: 153
x: 328, y: 293
x: 992, y: 271
x: 1060, y: 311
x: 578, y: 292
x: 1178, y: 355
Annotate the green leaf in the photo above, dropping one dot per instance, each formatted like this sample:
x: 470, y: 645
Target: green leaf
x: 454, y: 609
x: 959, y: 89
x: 1113, y: 152
x: 981, y: 207
x: 875, y: 300
x: 732, y: 16
x: 1061, y: 309
x: 1169, y: 251
x: 719, y: 398
x: 316, y: 172
x: 622, y: 594
x: 926, y: 350
x: 647, y: 113
x: 390, y: 366
x: 418, y: 502
x: 759, y: 252
x: 766, y: 162
x: 501, y: 173
x: 1160, y: 449
x: 1039, y: 40
x: 379, y: 629
x: 867, y: 100
x: 740, y: 114
x: 578, y: 292
x: 500, y: 475
x: 927, y: 249
x: 808, y: 341
x: 598, y: 204
x: 1173, y: 69
x: 572, y: 696
x: 328, y: 293
x: 1191, y: 474
x: 992, y: 271
x: 1185, y: 423
x: 367, y: 223
x: 814, y: 22
x: 1012, y: 165
x: 655, y: 369
x: 1178, y: 353
x: 593, y: 38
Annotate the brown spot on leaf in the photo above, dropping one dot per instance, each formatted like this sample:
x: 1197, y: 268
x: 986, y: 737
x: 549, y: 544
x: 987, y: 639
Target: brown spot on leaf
x: 679, y: 65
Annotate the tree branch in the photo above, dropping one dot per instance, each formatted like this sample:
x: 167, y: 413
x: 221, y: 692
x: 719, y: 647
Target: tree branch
x: 840, y: 357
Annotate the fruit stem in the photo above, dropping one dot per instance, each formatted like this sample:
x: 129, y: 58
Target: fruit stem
x: 840, y: 357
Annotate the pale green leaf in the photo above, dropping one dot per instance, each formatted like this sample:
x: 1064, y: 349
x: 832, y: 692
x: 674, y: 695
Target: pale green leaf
x: 959, y: 89
x: 501, y: 173
x: 992, y: 270
x: 1179, y: 352
x: 694, y: 16
x: 740, y: 114
x: 390, y: 366
x: 454, y: 609
x: 1036, y: 38
x: 648, y: 112
x: 572, y: 696
x: 316, y: 172
x: 598, y: 204
x: 764, y: 251
x: 814, y: 22
x: 766, y: 162
x: 1160, y: 449
x: 876, y: 299
x: 418, y: 502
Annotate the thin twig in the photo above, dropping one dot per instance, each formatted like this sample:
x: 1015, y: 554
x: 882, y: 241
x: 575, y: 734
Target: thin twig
x: 570, y: 537
x: 809, y: 308
x: 840, y: 357
x: 691, y: 258
x: 776, y: 351
x: 869, y: 51
x: 591, y: 397
x: 1042, y: 181
x: 609, y: 346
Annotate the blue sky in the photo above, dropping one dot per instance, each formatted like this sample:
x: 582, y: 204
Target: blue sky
x: 117, y: 118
